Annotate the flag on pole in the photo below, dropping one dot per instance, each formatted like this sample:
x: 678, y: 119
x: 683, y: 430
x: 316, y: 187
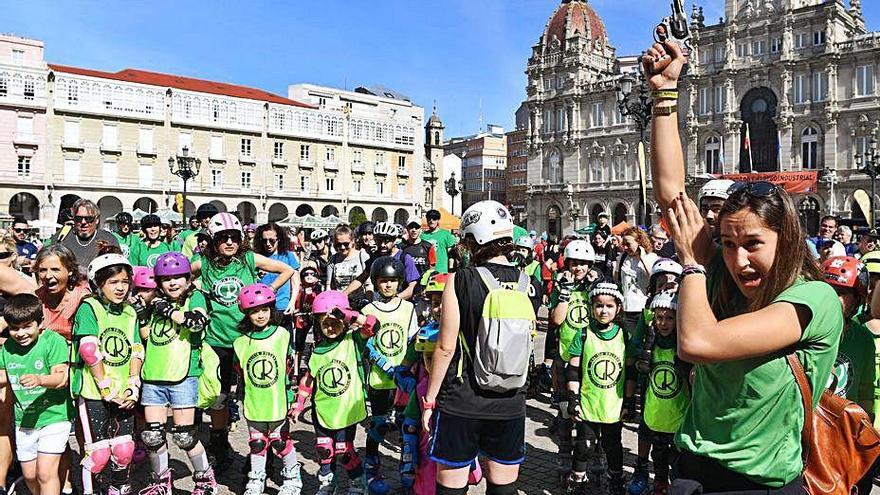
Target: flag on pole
x: 721, y: 157
x: 747, y: 144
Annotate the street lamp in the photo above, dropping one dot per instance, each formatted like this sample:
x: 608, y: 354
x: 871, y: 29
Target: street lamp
x: 869, y: 163
x: 453, y: 188
x: 186, y: 167
x: 490, y: 190
x: 636, y: 104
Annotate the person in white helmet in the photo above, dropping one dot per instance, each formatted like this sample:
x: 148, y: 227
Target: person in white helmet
x: 711, y: 199
x: 470, y: 421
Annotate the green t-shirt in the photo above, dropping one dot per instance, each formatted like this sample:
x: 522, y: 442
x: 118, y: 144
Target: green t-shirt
x: 37, y: 407
x: 747, y: 414
x: 443, y: 241
x: 223, y: 284
x: 145, y: 255
x: 854, y: 367
x: 129, y: 244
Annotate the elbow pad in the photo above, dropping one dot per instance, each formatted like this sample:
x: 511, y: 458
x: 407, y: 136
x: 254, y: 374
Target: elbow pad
x: 195, y: 320
x: 90, y: 350
x: 572, y: 373
x: 368, y: 329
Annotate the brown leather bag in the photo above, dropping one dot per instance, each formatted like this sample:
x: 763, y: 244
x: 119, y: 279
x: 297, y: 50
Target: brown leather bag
x: 839, y: 442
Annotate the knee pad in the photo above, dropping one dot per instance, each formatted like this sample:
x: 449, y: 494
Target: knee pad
x: 153, y: 436
x: 122, y: 450
x: 219, y: 403
x: 493, y: 489
x: 442, y: 490
x: 324, y: 449
x: 281, y: 444
x: 185, y: 436
x: 258, y: 443
x: 409, y: 456
x: 97, y: 456
x: 347, y: 455
x: 378, y: 428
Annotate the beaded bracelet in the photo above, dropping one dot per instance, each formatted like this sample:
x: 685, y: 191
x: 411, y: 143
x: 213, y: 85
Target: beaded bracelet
x: 692, y: 269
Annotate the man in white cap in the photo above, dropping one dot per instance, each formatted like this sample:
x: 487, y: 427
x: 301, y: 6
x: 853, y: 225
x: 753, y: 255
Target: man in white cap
x: 711, y: 199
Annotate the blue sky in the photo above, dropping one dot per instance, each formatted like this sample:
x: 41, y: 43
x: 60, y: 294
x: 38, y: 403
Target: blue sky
x: 457, y: 52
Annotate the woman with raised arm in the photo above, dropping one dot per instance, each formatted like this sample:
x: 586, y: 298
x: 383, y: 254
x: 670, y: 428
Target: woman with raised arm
x: 758, y: 298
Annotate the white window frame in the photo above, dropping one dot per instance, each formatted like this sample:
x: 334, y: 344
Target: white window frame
x: 23, y: 167
x: 216, y: 178
x: 712, y: 156
x: 109, y: 136
x: 109, y: 173
x: 704, y: 101
x: 305, y: 153
x: 145, y: 175
x: 279, y: 182
x: 597, y: 114
x: 247, y: 147
x: 330, y: 184
x: 776, y: 45
x: 799, y: 88
x: 864, y: 85
x: 246, y: 180
x: 72, y: 168
x: 819, y: 86
x: 720, y: 99
x: 810, y: 148
x: 278, y: 150
x: 217, y: 147
x: 146, y: 142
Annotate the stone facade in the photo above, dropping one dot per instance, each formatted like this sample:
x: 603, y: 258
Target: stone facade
x: 801, y: 73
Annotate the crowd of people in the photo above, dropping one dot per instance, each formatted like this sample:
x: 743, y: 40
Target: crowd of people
x: 681, y: 328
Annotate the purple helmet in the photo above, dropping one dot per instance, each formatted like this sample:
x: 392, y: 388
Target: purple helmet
x: 171, y: 264
x: 329, y: 300
x: 142, y: 278
x: 255, y: 295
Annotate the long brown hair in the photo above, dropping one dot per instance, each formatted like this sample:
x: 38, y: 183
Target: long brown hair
x: 480, y: 254
x: 213, y: 255
x: 792, y: 259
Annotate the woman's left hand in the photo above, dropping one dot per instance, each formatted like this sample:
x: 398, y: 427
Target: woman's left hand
x: 684, y: 220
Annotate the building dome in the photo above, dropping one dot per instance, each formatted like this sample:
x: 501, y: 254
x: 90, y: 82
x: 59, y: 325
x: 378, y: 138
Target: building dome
x: 574, y: 18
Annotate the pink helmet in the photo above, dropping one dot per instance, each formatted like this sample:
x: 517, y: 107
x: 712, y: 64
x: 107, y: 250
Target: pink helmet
x: 255, y: 295
x: 329, y: 300
x: 171, y: 264
x: 143, y: 278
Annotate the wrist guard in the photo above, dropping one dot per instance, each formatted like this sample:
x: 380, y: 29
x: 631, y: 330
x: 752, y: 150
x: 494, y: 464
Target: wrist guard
x: 162, y: 307
x: 404, y: 379
x: 368, y: 329
x: 195, y: 320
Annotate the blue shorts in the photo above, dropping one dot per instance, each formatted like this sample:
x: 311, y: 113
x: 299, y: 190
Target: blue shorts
x: 182, y: 395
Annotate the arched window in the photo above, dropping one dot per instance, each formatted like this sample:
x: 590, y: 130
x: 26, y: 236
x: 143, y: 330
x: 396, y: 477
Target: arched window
x: 713, y: 155
x: 810, y: 148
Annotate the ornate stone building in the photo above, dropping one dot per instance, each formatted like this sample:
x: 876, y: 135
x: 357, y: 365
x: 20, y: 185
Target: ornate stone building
x: 800, y: 75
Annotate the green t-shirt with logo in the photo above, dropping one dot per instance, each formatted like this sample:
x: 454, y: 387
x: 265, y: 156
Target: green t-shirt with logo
x: 854, y: 366
x: 145, y: 255
x: 38, y: 406
x: 128, y: 244
x: 222, y: 285
x: 443, y: 241
x: 747, y: 414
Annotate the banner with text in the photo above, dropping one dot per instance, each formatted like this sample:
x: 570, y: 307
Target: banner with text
x: 794, y: 182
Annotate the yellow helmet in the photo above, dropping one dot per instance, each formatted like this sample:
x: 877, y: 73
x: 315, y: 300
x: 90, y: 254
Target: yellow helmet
x: 872, y: 261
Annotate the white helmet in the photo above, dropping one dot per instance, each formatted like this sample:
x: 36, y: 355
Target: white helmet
x: 715, y: 188
x: 386, y: 229
x: 665, y: 265
x: 105, y: 261
x: 666, y: 299
x: 608, y: 289
x: 525, y: 241
x: 579, y: 250
x: 487, y: 221
x: 224, y: 221
x: 318, y: 234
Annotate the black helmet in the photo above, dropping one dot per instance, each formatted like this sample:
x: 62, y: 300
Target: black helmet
x: 124, y: 218
x: 206, y: 210
x: 364, y: 228
x: 150, y: 221
x: 386, y: 267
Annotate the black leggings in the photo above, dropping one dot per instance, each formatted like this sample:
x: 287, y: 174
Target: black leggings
x: 694, y: 471
x: 609, y: 438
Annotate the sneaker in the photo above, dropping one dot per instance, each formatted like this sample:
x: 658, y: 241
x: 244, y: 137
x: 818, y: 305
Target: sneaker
x: 639, y: 484
x: 119, y: 490
x: 326, y: 484
x: 256, y: 484
x: 292, y: 484
x: 160, y: 484
x: 204, y: 483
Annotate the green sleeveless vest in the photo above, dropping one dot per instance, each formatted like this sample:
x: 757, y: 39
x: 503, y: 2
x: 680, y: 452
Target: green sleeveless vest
x: 168, y: 350
x: 339, y: 389
x: 115, y: 334
x: 602, y: 379
x: 264, y: 367
x: 576, y: 319
x: 390, y: 340
x: 222, y: 286
x: 667, y: 398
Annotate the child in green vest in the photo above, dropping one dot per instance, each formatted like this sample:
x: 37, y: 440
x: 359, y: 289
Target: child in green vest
x: 265, y: 358
x: 147, y: 252
x: 170, y: 374
x: 595, y: 396
x: 107, y: 355
x: 570, y: 310
x: 336, y: 377
x: 34, y: 365
x: 666, y: 397
x: 387, y: 351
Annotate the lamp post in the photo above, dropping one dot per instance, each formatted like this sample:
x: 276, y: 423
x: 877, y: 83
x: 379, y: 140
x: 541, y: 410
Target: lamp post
x: 869, y: 164
x: 453, y: 188
x: 187, y: 168
x: 636, y: 104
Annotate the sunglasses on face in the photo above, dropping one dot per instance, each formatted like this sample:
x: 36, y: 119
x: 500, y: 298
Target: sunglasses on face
x: 6, y: 254
x: 84, y: 219
x: 382, y: 239
x: 19, y: 231
x: 341, y: 245
x: 234, y: 237
x: 759, y: 189
x: 270, y: 240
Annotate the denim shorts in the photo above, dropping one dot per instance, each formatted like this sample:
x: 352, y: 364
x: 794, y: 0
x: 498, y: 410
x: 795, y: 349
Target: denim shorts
x: 182, y: 395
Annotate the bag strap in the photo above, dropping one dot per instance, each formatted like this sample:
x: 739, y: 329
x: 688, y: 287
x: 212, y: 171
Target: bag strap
x: 523, y: 283
x: 807, y: 398
x: 488, y: 278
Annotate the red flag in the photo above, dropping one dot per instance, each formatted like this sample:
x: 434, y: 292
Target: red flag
x: 747, y: 143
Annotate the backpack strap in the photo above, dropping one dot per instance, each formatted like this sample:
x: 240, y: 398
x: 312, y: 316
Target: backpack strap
x: 523, y: 283
x: 488, y: 279
x: 807, y: 398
